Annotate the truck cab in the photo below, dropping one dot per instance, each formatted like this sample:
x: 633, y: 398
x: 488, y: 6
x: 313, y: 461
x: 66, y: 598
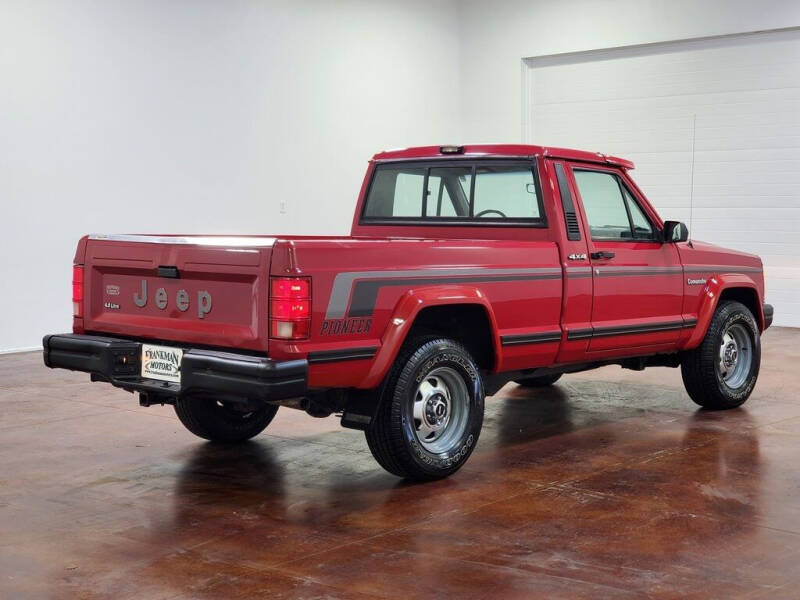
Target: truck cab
x: 467, y: 267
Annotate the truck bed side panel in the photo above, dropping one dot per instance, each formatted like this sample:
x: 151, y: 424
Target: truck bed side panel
x: 358, y: 283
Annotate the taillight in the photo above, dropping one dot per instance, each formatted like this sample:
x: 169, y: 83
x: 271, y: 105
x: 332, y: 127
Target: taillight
x: 290, y: 308
x: 77, y: 290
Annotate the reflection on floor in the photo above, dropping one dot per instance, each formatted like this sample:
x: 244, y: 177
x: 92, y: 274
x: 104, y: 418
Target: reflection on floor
x: 610, y: 484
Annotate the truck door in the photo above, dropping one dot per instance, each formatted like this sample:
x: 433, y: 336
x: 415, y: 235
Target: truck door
x: 637, y: 279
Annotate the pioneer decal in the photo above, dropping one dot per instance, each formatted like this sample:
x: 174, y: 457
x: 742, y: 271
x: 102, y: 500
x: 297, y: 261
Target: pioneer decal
x: 345, y: 326
x: 182, y: 302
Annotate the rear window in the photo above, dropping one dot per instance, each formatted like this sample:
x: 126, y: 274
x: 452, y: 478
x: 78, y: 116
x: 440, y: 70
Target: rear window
x: 479, y: 192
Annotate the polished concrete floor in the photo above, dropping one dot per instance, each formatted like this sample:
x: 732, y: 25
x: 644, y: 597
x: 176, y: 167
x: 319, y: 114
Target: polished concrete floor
x: 610, y: 484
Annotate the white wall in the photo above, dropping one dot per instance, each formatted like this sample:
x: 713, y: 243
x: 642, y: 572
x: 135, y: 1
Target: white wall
x: 713, y: 127
x: 187, y: 116
x: 496, y: 36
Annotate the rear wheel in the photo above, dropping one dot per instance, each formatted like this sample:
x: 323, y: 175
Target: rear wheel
x: 220, y: 421
x: 722, y: 371
x: 430, y: 413
x: 542, y: 381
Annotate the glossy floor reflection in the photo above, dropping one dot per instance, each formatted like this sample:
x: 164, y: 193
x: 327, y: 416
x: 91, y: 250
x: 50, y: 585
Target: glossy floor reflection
x: 610, y: 484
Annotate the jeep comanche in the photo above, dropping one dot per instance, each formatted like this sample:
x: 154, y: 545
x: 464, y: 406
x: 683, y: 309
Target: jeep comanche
x: 467, y: 267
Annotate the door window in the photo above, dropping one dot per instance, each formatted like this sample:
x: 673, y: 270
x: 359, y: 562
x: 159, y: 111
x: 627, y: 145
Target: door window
x: 642, y: 229
x: 611, y: 210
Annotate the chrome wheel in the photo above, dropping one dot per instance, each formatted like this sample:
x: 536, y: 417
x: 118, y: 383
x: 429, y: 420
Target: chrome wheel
x: 735, y: 356
x: 440, y: 409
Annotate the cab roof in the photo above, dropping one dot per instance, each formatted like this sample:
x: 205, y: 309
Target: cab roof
x: 499, y: 150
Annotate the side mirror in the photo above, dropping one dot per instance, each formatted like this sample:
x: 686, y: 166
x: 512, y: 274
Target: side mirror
x: 675, y: 231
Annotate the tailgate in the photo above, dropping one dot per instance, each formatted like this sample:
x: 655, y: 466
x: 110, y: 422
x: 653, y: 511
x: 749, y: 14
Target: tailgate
x: 196, y: 290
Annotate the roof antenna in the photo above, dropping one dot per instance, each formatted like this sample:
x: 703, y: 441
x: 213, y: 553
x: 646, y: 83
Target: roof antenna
x: 691, y: 180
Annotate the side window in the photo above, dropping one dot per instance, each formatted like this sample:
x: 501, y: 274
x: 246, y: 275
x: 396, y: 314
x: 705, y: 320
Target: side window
x: 612, y: 212
x: 603, y: 203
x: 505, y: 192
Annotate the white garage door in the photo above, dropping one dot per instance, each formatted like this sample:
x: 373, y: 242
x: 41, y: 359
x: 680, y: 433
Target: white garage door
x: 736, y: 100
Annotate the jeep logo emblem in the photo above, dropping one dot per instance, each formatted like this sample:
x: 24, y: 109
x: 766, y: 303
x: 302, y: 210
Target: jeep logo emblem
x: 181, y: 300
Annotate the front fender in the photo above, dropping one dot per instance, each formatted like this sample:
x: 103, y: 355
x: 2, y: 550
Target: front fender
x: 406, y: 310
x: 711, y: 294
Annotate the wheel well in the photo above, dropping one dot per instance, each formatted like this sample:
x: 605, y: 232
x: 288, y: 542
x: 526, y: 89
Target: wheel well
x: 466, y: 323
x: 746, y: 296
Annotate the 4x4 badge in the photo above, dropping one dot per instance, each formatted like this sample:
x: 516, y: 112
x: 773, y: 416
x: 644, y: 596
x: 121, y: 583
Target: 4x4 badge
x: 577, y: 257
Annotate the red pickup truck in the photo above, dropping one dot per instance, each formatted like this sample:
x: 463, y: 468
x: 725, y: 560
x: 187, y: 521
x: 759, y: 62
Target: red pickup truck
x: 467, y: 267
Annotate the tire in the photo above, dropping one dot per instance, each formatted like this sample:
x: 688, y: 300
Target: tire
x: 722, y: 371
x: 222, y: 422
x: 537, y: 382
x: 430, y: 412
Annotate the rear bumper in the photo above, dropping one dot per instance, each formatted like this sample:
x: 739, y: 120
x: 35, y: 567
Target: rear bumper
x: 769, y: 311
x: 118, y: 361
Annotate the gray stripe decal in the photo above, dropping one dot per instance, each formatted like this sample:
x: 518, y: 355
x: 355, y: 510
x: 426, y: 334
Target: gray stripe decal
x: 629, y: 271
x: 365, y: 291
x: 722, y: 269
x: 343, y: 283
x: 579, y: 272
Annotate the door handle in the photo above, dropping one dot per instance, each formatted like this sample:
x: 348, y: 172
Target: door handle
x: 602, y: 254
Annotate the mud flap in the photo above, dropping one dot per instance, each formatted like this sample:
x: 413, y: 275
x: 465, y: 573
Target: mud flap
x: 362, y: 405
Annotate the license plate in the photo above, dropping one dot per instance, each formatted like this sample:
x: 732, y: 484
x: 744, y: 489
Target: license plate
x: 161, y: 362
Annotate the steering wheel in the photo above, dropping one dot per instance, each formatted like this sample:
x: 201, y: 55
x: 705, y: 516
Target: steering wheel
x: 491, y: 210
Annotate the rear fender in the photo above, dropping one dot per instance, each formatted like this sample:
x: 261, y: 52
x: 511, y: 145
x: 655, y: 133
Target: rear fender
x: 406, y: 311
x: 711, y: 294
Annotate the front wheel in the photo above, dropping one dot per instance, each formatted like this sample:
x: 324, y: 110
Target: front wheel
x: 722, y: 371
x: 221, y: 421
x: 430, y: 412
